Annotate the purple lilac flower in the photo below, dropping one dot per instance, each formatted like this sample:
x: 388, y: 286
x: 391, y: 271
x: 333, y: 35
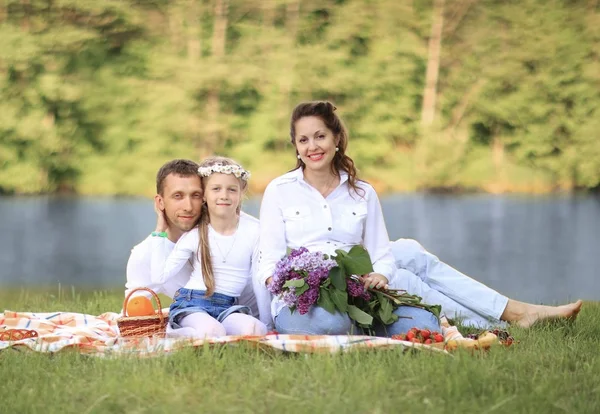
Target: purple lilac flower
x: 307, y: 299
x: 290, y: 298
x: 357, y: 290
x: 313, y: 267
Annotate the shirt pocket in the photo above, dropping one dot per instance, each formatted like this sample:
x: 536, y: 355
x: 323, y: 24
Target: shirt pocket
x: 295, y: 213
x: 296, y: 219
x: 353, y: 220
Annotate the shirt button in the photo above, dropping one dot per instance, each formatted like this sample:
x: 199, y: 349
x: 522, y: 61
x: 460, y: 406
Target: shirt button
x: 325, y: 206
x: 297, y: 212
x: 329, y: 228
x: 354, y: 213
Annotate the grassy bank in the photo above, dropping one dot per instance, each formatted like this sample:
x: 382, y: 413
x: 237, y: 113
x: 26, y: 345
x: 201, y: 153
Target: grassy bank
x: 554, y: 368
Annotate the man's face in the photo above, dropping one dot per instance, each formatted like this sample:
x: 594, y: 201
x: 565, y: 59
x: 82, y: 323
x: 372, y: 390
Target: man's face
x: 181, y: 201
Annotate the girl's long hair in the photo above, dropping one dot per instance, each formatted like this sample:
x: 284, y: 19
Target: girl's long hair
x: 204, y: 255
x: 326, y: 112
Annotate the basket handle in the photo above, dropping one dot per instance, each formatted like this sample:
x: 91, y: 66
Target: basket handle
x: 156, y: 298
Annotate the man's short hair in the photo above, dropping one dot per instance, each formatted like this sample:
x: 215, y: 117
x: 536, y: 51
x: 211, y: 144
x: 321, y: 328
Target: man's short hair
x: 181, y: 167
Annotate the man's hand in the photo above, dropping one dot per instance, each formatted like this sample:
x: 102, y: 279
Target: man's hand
x: 268, y: 282
x: 161, y: 219
x: 374, y: 280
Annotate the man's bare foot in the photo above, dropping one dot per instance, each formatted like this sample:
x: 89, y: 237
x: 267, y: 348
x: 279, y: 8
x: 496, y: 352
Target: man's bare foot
x: 527, y: 314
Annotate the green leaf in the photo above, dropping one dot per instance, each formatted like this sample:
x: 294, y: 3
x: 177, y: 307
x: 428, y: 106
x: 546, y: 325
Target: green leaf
x: 337, y: 278
x: 325, y: 301
x: 302, y: 289
x: 357, y: 261
x: 294, y: 283
x: 359, y: 316
x: 340, y: 299
x: 386, y: 316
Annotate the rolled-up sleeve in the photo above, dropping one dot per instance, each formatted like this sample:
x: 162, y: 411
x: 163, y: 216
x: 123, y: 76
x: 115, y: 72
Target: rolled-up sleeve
x: 376, y: 239
x: 272, y: 241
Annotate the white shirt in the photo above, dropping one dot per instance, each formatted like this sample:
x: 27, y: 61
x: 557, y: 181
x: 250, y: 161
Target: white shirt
x: 139, y: 264
x: 232, y: 258
x: 294, y: 214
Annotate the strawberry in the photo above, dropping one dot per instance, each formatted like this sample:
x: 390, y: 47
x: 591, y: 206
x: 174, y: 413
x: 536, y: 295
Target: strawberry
x: 425, y: 333
x: 416, y: 340
x: 428, y: 341
x: 410, y: 335
x: 438, y: 338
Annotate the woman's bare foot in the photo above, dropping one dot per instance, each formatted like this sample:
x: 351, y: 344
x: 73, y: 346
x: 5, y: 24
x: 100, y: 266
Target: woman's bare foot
x: 526, y: 314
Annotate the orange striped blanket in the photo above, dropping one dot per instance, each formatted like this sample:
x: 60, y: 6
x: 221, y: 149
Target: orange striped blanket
x: 98, y: 336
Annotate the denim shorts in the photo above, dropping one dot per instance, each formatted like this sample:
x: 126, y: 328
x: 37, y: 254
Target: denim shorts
x: 188, y: 301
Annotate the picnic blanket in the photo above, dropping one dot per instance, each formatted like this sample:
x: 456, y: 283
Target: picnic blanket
x: 99, y: 336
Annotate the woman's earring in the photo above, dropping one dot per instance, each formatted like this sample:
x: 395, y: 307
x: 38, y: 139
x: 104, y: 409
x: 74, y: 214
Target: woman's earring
x: 337, y: 149
x: 298, y: 156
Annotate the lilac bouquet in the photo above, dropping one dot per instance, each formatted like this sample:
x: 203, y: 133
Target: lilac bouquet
x: 299, y: 276
x: 303, y: 279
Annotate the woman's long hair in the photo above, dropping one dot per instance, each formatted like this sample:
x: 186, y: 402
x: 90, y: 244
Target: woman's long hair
x: 204, y: 246
x: 326, y: 112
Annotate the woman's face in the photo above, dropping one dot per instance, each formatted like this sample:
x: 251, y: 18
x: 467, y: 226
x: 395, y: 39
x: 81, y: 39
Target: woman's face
x: 315, y: 143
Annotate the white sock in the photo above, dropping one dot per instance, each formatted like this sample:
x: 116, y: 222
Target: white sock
x: 204, y: 325
x: 242, y: 324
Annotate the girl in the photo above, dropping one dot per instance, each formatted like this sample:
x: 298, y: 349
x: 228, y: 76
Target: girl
x: 223, y: 251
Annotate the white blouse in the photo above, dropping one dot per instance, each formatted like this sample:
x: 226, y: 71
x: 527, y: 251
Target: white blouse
x: 232, y: 256
x: 294, y: 214
x: 139, y: 267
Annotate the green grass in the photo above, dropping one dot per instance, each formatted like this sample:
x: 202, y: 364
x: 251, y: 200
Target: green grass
x: 555, y: 368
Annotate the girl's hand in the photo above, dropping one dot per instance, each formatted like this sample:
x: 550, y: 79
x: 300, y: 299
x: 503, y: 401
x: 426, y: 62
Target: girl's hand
x: 161, y: 219
x: 374, y: 280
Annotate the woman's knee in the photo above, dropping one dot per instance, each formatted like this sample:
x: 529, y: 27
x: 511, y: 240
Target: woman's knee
x: 410, y: 317
x: 317, y: 321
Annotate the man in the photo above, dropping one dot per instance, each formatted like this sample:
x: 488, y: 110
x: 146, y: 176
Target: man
x: 177, y: 203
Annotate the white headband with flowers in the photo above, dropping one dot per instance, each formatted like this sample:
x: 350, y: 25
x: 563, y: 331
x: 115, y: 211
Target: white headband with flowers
x: 236, y: 170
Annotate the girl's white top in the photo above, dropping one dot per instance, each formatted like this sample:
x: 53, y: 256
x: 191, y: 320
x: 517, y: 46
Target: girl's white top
x: 294, y: 214
x: 240, y: 251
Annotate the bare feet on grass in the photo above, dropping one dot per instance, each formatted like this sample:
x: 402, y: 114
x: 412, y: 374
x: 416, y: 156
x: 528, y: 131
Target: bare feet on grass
x: 525, y: 314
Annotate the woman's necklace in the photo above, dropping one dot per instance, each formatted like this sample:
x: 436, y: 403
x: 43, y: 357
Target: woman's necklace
x: 327, y: 190
x: 224, y: 256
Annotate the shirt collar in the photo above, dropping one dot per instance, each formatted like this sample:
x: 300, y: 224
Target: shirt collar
x: 299, y: 175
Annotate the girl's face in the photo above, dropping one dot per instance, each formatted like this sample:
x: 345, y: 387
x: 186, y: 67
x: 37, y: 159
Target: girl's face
x: 315, y: 143
x: 223, y: 194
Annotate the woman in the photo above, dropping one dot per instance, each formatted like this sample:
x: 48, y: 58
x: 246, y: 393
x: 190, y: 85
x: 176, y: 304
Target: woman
x: 323, y: 206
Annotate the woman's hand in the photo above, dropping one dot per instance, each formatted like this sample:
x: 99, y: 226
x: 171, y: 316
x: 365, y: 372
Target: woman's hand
x: 374, y: 280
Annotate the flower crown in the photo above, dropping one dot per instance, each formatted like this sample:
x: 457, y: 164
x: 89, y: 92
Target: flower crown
x: 236, y: 170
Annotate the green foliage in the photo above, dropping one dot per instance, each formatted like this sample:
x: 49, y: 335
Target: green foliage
x: 96, y: 95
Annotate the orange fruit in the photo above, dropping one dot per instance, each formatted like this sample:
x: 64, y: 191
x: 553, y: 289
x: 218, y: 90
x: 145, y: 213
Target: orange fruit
x: 140, y: 306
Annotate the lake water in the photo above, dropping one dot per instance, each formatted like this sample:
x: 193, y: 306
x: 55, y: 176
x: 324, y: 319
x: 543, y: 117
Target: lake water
x: 533, y: 248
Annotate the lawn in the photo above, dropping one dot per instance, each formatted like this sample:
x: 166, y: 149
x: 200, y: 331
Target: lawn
x: 554, y: 368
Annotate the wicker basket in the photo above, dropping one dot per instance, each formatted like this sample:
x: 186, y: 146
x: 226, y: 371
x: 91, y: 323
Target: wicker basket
x: 140, y: 326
